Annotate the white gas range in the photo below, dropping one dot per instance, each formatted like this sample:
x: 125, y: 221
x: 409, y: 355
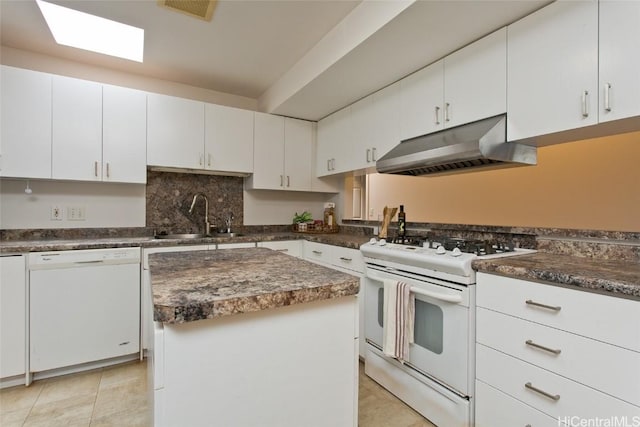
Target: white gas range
x: 437, y: 379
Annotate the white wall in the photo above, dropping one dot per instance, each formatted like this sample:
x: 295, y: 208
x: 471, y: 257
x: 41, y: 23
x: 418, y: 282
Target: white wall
x: 264, y: 207
x: 106, y: 204
x: 49, y: 64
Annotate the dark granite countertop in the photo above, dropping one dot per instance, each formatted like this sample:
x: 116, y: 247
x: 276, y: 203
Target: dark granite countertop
x: 612, y: 277
x: 23, y: 246
x: 189, y: 286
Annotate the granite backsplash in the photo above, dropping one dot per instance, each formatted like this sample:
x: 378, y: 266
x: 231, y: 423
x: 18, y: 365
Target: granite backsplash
x: 169, y: 196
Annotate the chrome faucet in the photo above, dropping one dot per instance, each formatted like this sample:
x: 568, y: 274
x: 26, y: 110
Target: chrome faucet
x: 228, y: 222
x: 207, y: 226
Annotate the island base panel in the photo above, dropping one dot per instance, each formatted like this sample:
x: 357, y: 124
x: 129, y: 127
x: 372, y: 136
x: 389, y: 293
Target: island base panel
x: 290, y: 366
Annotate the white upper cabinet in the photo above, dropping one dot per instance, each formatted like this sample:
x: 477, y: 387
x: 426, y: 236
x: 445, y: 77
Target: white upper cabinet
x: 356, y: 154
x: 25, y: 139
x: 386, y: 121
x: 268, y: 152
x: 335, y: 134
x: 228, y: 139
x: 421, y: 97
x: 552, y: 68
x: 475, y: 80
x: 175, y: 132
x: 375, y: 123
x: 124, y: 135
x: 77, y: 129
x: 619, y: 59
x: 468, y: 85
x: 283, y: 154
x: 298, y: 145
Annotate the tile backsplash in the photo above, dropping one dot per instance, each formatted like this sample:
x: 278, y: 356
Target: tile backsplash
x: 169, y: 196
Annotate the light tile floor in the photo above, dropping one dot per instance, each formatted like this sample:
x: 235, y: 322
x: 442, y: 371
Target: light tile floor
x: 116, y: 396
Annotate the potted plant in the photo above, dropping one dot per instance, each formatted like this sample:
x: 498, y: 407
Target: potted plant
x: 300, y: 220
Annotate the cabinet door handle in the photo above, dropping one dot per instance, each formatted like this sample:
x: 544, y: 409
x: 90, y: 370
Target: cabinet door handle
x: 538, y: 304
x: 328, y: 164
x: 437, y: 115
x: 333, y: 164
x: 373, y: 155
x: 555, y: 397
x: 209, y: 159
x: 585, y: 104
x: 201, y: 162
x: 288, y: 181
x: 446, y: 111
x: 95, y: 168
x: 368, y: 155
x: 346, y: 259
x: 317, y: 252
x: 281, y: 180
x: 607, y: 97
x: 541, y: 347
x: 108, y: 170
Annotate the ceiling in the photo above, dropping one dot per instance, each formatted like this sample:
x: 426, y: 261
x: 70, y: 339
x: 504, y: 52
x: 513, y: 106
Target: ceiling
x: 251, y: 46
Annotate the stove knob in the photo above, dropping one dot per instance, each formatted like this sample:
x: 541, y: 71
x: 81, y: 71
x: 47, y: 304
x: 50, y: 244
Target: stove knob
x: 373, y: 241
x: 382, y: 242
x: 456, y: 252
x: 440, y: 250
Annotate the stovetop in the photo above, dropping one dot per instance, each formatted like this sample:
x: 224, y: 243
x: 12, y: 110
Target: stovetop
x: 475, y: 246
x: 447, y: 258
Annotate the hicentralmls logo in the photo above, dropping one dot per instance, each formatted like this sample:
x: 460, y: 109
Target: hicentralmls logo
x: 575, y: 421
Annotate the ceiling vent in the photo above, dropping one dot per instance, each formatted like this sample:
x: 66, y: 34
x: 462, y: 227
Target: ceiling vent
x: 201, y: 9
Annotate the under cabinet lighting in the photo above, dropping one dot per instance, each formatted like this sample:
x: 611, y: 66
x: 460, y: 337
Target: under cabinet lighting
x: 89, y: 32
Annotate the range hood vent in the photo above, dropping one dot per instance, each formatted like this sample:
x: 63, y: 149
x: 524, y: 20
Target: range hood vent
x: 475, y: 146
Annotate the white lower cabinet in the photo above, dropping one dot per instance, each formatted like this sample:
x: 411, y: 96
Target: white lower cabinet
x: 13, y: 319
x: 565, y: 353
x: 288, y: 247
x: 495, y: 408
x: 344, y: 259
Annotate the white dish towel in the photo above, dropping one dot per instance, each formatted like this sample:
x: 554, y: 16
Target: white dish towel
x: 398, y: 319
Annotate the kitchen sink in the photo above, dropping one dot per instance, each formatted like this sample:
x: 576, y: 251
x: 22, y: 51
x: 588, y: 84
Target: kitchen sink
x: 180, y: 236
x: 227, y: 235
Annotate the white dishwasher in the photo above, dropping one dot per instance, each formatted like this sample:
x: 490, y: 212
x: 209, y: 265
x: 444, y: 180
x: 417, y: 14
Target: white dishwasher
x: 84, y: 306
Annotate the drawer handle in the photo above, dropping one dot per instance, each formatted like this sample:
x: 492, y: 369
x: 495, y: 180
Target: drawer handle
x: 541, y: 347
x: 538, y: 304
x: 317, y: 252
x: 555, y: 397
x: 346, y: 259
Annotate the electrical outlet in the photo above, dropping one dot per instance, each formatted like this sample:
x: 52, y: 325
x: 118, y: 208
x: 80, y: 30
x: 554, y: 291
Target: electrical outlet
x: 76, y: 213
x: 372, y: 213
x: 56, y: 213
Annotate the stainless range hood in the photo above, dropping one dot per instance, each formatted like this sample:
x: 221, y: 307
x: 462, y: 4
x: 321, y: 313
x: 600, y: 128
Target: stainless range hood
x: 479, y: 145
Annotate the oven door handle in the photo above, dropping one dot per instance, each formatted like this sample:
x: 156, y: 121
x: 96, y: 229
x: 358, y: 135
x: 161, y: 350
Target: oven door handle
x: 438, y: 296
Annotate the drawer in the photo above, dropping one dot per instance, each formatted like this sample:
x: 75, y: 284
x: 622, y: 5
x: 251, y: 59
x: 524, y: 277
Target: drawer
x: 288, y: 247
x: 496, y: 409
x: 351, y: 259
x: 317, y: 252
x: 593, y: 363
x: 609, y: 319
x: 510, y: 375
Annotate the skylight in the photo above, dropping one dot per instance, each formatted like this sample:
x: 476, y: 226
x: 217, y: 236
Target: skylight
x: 84, y: 31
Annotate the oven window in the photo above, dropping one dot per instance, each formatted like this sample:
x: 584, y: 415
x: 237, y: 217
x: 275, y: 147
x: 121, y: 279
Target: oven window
x: 428, y: 329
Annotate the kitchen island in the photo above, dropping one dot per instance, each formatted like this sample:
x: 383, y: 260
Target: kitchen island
x: 252, y: 337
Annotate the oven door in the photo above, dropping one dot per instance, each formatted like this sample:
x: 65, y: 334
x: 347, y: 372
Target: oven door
x: 441, y: 333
